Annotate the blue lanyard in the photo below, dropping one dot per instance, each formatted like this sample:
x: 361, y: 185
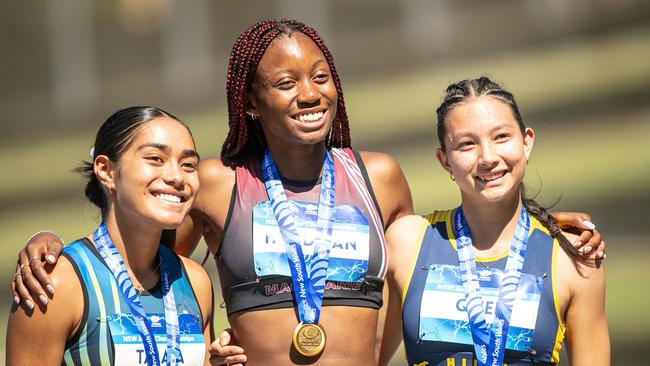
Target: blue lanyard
x: 114, y: 261
x: 490, y: 339
x: 308, y: 275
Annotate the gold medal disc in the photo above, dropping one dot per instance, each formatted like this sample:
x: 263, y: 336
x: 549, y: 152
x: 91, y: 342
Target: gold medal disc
x: 309, y: 339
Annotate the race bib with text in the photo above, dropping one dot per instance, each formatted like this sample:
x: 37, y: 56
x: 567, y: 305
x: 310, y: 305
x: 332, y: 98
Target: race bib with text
x: 129, y: 349
x: 349, y: 254
x: 443, y: 316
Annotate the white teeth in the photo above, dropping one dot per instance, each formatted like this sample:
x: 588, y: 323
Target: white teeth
x: 487, y: 178
x: 310, y: 117
x: 168, y: 197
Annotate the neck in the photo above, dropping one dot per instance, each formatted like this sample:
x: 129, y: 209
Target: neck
x: 138, y: 244
x: 492, y: 225
x: 299, y: 162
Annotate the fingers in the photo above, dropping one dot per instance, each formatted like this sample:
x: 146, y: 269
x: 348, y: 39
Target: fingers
x: 230, y: 355
x: 581, y: 242
x: 573, y: 220
x: 20, y: 289
x: 225, y: 354
x: 27, y: 284
x: 54, y: 248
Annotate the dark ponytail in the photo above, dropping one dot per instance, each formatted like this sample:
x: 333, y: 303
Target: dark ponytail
x: 540, y: 213
x: 113, y: 138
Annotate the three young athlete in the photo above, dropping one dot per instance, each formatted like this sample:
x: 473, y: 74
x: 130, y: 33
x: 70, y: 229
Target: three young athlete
x: 286, y: 186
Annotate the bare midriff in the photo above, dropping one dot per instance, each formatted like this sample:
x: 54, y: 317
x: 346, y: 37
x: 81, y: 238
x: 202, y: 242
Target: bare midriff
x: 266, y: 336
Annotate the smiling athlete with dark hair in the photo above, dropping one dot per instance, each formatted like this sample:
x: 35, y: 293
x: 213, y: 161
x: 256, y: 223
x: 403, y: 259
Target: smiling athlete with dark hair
x: 294, y: 217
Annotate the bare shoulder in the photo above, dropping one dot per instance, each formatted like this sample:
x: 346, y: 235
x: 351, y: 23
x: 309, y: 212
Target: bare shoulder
x: 578, y: 276
x: 64, y: 310
x: 389, y: 184
x: 213, y: 172
x: 402, y: 238
x: 380, y: 165
x: 217, y: 181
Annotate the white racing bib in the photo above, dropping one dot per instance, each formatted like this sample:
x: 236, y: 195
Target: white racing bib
x: 129, y: 349
x: 443, y: 317
x: 349, y: 254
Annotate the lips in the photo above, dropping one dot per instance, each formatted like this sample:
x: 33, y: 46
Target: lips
x: 309, y: 117
x: 490, y: 177
x: 170, y: 197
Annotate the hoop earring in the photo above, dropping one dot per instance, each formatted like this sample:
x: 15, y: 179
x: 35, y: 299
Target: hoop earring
x: 451, y: 175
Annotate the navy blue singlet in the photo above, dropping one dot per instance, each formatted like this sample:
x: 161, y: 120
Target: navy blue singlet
x: 437, y: 248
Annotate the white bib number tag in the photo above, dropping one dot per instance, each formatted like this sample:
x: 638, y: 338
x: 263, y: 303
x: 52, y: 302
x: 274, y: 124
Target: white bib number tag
x: 349, y: 255
x: 129, y: 349
x: 443, y: 316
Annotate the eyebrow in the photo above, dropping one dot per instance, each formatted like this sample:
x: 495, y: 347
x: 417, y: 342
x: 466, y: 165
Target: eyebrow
x: 313, y: 65
x: 166, y: 149
x: 470, y: 132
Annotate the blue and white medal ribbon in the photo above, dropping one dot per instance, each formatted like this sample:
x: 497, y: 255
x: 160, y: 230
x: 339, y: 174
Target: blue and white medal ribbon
x: 490, y: 339
x: 309, y: 275
x: 114, y: 261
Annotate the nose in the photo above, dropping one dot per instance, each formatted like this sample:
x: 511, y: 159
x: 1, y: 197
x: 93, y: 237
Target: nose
x: 308, y: 94
x: 173, y: 175
x: 488, y: 157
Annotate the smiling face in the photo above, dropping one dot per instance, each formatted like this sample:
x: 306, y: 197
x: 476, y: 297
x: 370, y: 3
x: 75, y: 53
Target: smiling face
x: 293, y: 93
x: 485, y: 150
x: 156, y: 178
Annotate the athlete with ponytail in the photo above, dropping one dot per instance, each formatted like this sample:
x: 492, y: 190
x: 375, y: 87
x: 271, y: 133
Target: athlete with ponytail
x: 122, y: 298
x: 287, y: 186
x: 494, y: 281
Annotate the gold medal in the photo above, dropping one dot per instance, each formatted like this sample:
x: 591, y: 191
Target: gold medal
x: 309, y: 339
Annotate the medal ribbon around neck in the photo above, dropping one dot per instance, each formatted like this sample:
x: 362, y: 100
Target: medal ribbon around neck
x: 114, y: 261
x: 308, y: 275
x: 490, y: 339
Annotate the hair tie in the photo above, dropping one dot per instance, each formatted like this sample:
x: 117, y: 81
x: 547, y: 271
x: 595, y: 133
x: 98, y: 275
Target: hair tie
x: 92, y: 152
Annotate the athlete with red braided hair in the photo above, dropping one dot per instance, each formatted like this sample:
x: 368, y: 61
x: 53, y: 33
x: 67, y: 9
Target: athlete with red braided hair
x: 285, y: 98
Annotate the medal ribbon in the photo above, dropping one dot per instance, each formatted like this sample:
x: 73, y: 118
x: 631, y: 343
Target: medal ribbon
x: 114, y: 261
x: 307, y: 274
x: 490, y: 339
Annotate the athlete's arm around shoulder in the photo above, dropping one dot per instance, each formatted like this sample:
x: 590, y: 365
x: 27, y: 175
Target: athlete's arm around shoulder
x: 209, y: 211
x: 202, y: 286
x: 389, y: 184
x: 402, y: 238
x: 39, y: 336
x: 587, y: 332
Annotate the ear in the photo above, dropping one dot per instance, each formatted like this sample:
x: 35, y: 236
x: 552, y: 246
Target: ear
x: 105, y: 170
x: 251, y: 104
x: 442, y: 159
x: 529, y: 140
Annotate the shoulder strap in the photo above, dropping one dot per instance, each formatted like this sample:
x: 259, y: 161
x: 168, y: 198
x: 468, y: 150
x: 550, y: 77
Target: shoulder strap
x: 346, y: 158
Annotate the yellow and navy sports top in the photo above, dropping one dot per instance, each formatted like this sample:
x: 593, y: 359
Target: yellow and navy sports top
x: 252, y: 263
x: 435, y: 320
x: 97, y: 342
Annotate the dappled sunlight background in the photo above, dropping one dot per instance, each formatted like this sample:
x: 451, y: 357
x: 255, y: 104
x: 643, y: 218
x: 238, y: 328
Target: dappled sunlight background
x: 579, y: 70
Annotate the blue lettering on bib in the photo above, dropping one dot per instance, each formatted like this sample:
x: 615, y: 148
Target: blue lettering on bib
x: 128, y: 344
x: 349, y: 255
x: 443, y: 316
